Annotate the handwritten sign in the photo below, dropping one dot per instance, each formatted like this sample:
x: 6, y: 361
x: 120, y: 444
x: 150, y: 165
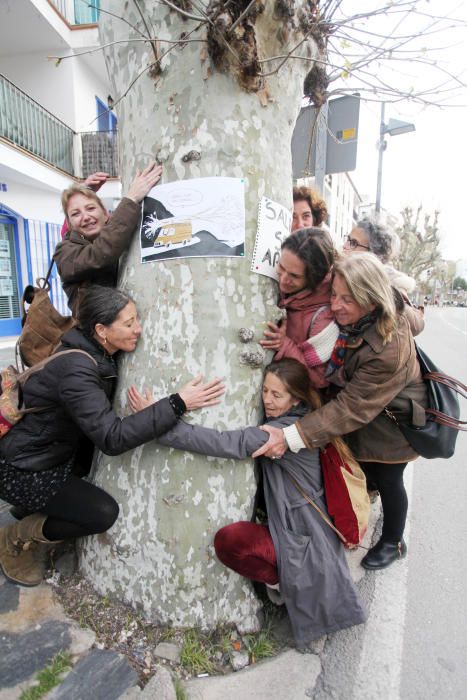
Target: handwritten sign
x: 199, y: 217
x: 274, y: 222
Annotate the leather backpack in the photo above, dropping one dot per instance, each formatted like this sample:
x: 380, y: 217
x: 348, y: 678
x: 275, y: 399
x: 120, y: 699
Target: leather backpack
x: 42, y: 325
x: 12, y: 408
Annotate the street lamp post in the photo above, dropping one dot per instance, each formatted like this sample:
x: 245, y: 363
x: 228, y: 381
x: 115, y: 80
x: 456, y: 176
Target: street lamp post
x: 394, y: 127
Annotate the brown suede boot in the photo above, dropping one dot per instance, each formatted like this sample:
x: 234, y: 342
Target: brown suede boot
x: 20, y: 559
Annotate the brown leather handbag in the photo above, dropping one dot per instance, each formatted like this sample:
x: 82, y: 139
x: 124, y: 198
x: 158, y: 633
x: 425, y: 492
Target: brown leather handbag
x: 43, y: 326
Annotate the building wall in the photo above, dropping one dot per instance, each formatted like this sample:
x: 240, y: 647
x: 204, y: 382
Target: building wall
x: 33, y: 202
x: 68, y: 91
x: 29, y: 188
x: 51, y: 87
x: 33, y: 188
x: 87, y: 85
x: 342, y: 207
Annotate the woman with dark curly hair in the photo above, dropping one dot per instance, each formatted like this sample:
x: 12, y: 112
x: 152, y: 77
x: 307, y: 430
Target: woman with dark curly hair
x: 309, y: 208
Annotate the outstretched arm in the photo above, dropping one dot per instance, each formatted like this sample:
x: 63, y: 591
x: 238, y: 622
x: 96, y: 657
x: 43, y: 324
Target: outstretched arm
x: 236, y: 444
x: 75, y: 263
x: 194, y: 394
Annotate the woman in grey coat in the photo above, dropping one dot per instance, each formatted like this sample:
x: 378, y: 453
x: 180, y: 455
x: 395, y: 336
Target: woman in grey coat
x: 296, y: 548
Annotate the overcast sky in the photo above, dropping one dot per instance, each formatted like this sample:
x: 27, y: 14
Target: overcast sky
x: 427, y: 166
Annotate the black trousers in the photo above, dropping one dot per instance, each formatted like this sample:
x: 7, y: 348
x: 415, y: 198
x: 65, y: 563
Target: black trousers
x: 389, y: 480
x: 78, y: 509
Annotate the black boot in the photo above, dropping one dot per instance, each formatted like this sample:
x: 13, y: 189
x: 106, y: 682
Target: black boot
x: 383, y: 554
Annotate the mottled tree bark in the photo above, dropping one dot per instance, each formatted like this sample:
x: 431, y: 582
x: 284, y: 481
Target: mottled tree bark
x: 159, y: 555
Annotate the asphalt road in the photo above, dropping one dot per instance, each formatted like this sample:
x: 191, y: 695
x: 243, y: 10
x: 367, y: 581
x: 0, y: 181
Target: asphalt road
x: 414, y: 645
x: 435, y: 634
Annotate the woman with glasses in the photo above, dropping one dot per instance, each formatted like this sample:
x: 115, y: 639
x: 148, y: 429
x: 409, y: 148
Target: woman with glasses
x: 371, y: 236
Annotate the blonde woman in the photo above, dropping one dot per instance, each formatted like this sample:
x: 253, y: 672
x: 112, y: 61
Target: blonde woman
x: 91, y: 248
x: 373, y: 367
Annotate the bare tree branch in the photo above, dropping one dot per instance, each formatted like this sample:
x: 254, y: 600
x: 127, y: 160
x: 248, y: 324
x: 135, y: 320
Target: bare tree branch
x: 356, y: 51
x: 180, y: 42
x: 183, y: 12
x: 241, y: 17
x: 122, y: 19
x: 153, y: 42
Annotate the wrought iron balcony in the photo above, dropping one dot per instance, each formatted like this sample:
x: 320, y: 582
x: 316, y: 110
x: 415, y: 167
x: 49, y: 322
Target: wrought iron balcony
x: 27, y: 124
x: 99, y: 151
x: 24, y: 122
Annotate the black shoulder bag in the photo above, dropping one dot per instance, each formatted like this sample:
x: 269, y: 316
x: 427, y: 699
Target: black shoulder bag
x: 437, y: 436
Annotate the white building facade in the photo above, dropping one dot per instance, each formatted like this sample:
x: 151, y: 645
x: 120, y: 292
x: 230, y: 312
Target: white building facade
x: 55, y: 129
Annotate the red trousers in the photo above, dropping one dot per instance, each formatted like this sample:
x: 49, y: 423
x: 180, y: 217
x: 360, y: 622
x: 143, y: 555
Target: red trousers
x: 248, y: 549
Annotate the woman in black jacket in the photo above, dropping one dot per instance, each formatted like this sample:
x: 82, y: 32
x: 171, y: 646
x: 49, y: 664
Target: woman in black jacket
x: 73, y: 392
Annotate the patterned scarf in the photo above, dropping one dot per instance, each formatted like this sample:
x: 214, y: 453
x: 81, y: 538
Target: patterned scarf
x: 347, y: 333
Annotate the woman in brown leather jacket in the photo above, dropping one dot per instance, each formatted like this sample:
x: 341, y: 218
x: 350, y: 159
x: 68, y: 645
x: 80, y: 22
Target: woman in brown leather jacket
x: 373, y: 367
x: 91, y: 248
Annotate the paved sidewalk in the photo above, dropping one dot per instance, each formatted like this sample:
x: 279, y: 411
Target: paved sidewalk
x: 34, y: 628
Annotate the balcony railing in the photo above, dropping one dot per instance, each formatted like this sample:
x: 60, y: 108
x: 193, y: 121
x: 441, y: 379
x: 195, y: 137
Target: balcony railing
x: 78, y: 11
x: 100, y: 152
x: 26, y: 123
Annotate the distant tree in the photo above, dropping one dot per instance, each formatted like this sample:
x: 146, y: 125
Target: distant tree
x: 460, y: 283
x: 419, y: 242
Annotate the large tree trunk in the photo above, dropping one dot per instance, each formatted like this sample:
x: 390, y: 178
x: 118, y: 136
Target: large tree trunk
x: 160, y: 555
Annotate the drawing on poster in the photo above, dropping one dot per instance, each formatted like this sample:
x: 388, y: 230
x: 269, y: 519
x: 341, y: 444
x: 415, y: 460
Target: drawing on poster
x: 202, y: 217
x: 274, y: 222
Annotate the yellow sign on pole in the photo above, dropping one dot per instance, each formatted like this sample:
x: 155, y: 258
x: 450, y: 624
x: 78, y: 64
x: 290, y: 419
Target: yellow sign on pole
x: 348, y: 134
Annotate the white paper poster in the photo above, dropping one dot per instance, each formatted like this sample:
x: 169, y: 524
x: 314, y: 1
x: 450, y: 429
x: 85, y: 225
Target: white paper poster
x: 274, y: 223
x: 202, y: 217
